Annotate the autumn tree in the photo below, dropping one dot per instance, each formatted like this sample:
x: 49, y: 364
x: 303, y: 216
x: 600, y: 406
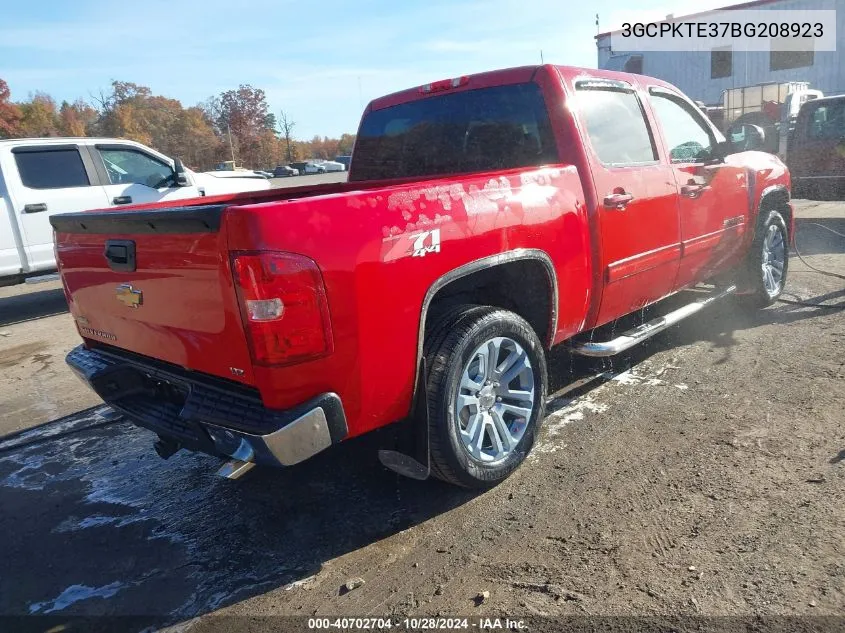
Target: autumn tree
x: 244, y: 115
x: 327, y: 148
x: 200, y: 135
x: 195, y: 141
x: 39, y: 116
x: 345, y: 144
x: 10, y: 114
x: 75, y: 119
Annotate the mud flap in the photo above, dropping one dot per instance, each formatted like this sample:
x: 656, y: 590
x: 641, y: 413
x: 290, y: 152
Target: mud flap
x: 412, y: 459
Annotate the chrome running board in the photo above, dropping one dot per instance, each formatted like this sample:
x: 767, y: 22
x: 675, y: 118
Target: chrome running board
x: 640, y: 333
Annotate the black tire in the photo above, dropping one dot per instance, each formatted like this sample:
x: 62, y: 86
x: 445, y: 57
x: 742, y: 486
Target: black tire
x: 752, y: 282
x: 448, y: 347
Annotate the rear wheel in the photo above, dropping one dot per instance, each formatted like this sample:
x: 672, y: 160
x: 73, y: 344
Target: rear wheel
x: 486, y: 390
x: 766, y: 266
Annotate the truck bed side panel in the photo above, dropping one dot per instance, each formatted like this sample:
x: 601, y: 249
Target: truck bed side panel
x: 381, y: 250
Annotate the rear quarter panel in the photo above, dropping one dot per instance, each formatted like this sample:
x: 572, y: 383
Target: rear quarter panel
x: 365, y: 243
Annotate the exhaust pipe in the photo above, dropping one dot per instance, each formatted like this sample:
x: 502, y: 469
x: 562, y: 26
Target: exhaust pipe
x: 165, y: 448
x: 235, y: 469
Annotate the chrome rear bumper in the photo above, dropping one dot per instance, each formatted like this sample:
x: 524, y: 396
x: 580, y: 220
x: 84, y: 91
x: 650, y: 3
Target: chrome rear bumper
x: 207, y: 414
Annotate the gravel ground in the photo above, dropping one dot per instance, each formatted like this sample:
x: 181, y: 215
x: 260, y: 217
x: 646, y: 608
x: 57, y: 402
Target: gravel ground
x: 701, y: 474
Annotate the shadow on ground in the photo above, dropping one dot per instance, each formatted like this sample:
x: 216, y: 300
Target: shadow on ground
x: 32, y: 305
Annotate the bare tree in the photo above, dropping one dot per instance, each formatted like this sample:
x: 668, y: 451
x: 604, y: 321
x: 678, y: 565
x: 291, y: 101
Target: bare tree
x: 286, y: 126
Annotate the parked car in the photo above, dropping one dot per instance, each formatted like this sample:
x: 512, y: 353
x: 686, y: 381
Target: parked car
x: 430, y: 287
x: 264, y: 174
x: 816, y: 155
x: 330, y: 165
x: 315, y: 168
x: 43, y: 176
x: 345, y: 160
x: 283, y: 171
x: 299, y: 167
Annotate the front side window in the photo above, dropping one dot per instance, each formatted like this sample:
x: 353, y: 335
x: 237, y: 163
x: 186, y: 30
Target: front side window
x: 616, y: 126
x: 502, y: 127
x: 51, y: 169
x: 828, y: 121
x: 127, y: 166
x: 687, y: 138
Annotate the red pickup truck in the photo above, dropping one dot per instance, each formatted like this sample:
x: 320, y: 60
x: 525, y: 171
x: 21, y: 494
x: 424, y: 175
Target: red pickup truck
x: 486, y: 219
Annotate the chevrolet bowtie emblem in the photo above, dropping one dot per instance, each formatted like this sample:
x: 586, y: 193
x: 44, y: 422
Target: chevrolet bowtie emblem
x: 129, y: 296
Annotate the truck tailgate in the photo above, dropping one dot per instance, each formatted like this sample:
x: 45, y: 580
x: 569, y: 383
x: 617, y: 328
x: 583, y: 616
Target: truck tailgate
x: 157, y: 283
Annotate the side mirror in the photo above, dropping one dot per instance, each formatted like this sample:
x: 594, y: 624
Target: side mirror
x: 180, y: 177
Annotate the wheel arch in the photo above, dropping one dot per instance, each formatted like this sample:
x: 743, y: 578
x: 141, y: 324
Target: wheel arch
x: 775, y: 197
x: 454, y: 283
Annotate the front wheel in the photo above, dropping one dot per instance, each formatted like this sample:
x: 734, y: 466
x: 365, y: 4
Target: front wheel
x: 765, y: 268
x: 486, y: 390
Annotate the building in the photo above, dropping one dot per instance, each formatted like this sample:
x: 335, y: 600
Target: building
x: 703, y: 77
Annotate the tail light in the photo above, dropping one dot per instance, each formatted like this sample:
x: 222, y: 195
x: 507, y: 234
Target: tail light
x: 284, y: 307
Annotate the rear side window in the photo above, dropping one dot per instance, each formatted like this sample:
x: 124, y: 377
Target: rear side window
x: 828, y: 121
x: 503, y: 127
x: 51, y: 169
x: 616, y: 126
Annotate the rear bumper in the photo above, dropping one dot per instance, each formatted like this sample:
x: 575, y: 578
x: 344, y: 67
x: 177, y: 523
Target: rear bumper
x: 206, y: 414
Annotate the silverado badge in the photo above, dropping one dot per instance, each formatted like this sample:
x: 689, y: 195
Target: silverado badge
x: 129, y: 296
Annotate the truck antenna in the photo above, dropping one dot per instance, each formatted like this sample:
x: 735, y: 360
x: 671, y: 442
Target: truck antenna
x: 541, y: 57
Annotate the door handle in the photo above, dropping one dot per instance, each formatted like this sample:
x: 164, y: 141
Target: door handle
x: 122, y: 199
x: 617, y: 200
x: 35, y: 208
x: 692, y: 190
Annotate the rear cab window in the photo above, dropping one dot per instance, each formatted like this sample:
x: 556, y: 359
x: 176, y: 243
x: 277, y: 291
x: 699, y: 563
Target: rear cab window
x: 47, y: 168
x: 501, y: 127
x: 827, y: 121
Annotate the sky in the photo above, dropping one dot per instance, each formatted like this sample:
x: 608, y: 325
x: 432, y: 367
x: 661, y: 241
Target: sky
x: 320, y: 61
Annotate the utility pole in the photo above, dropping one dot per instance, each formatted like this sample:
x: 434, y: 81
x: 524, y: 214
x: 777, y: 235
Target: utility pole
x: 231, y: 146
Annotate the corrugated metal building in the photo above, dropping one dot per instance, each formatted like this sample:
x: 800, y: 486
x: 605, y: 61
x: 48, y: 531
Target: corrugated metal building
x: 703, y: 77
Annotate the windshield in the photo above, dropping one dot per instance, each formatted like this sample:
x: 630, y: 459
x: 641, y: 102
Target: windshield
x: 478, y: 130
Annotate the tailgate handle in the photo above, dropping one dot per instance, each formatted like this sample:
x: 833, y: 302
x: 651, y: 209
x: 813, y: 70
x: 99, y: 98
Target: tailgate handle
x: 122, y: 200
x: 35, y: 208
x: 120, y: 254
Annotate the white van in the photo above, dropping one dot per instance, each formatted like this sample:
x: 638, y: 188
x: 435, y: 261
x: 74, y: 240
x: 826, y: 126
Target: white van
x: 43, y: 176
